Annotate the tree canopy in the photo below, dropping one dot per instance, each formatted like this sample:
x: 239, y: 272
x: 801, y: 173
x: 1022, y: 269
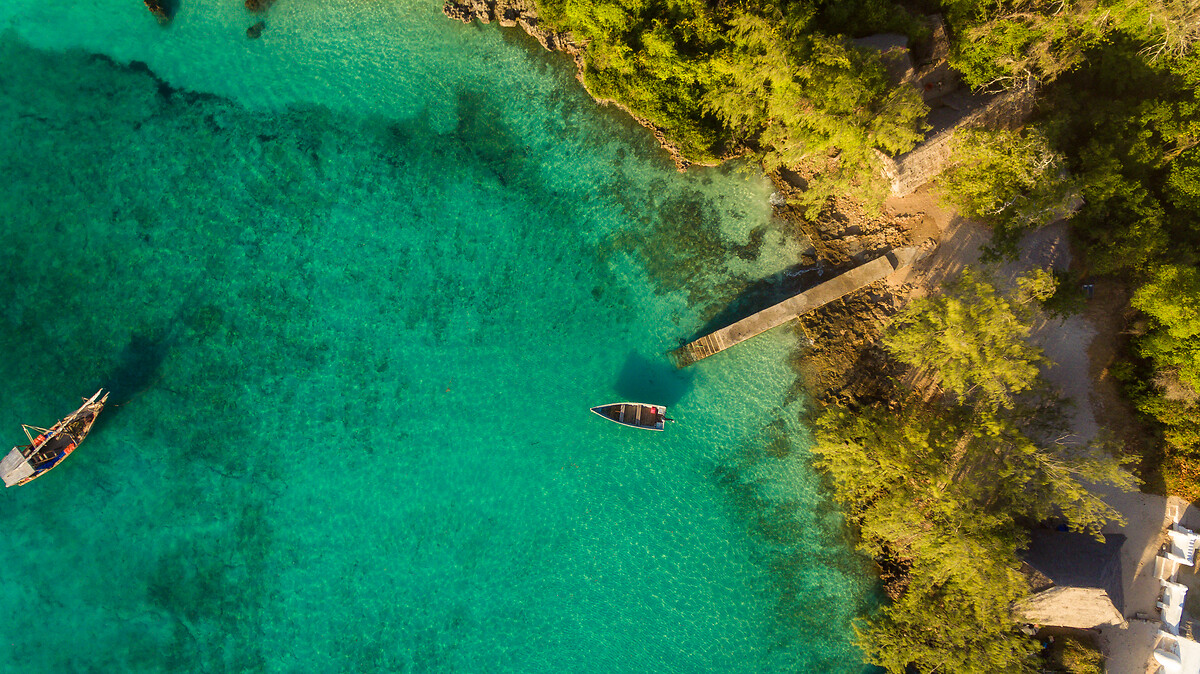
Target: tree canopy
x: 1172, y: 299
x: 762, y: 75
x: 972, y: 337
x: 942, y: 486
x: 1012, y: 180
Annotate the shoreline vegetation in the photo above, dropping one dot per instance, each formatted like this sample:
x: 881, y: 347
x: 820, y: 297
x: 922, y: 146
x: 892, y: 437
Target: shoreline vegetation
x: 933, y: 421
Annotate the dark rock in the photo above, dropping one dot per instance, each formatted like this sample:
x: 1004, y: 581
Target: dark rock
x: 509, y: 14
x: 255, y: 31
x: 457, y: 12
x: 508, y: 17
x: 259, y: 6
x: 163, y: 10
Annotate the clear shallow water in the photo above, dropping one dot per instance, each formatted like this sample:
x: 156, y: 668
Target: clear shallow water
x: 354, y: 287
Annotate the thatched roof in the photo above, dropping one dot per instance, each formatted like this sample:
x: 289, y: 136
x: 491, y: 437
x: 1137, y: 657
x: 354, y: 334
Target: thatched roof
x: 1075, y: 579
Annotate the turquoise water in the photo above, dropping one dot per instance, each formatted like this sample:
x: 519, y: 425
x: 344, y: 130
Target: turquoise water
x: 354, y: 287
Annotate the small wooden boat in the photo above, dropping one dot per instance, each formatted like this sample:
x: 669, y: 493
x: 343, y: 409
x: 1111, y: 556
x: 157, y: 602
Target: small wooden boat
x: 52, y: 445
x: 638, y: 415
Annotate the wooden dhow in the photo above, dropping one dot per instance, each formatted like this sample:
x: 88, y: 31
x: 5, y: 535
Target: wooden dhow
x: 29, y: 462
x: 637, y: 415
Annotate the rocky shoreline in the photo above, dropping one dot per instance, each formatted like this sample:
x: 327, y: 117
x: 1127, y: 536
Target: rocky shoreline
x: 523, y: 14
x: 512, y: 14
x: 844, y: 361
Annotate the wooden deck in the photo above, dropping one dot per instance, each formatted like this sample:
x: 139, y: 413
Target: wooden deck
x: 792, y: 307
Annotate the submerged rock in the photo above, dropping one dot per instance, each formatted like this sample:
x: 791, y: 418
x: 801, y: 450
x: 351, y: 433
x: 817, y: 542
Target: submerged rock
x: 523, y: 13
x: 259, y: 6
x: 163, y: 10
x: 253, y: 32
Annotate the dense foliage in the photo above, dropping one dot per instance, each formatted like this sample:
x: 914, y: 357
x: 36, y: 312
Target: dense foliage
x: 1012, y: 180
x: 1171, y: 345
x: 972, y: 337
x: 1172, y: 299
x: 1073, y: 655
x: 1005, y: 42
x: 772, y: 76
x: 1002, y: 43
x: 1119, y: 123
x: 942, y: 486
x: 1129, y: 127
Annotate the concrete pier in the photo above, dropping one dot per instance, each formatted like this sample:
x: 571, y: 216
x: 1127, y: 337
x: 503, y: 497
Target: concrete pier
x: 774, y: 316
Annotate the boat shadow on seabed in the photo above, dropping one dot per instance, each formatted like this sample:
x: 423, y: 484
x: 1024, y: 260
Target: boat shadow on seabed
x: 657, y: 381
x: 137, y: 369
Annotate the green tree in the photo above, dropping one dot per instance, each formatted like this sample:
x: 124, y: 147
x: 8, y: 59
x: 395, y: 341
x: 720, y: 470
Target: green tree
x: 960, y: 469
x: 1012, y: 180
x: 653, y: 58
x: 761, y: 77
x: 813, y: 99
x: 1172, y: 299
x: 1169, y: 28
x: 1036, y: 286
x: 972, y: 338
x: 942, y: 488
x: 1002, y: 43
x: 1180, y: 423
x: 1129, y: 129
x: 952, y: 628
x: 1026, y: 474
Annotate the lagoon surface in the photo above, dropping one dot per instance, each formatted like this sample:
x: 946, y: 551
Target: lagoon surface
x: 354, y: 286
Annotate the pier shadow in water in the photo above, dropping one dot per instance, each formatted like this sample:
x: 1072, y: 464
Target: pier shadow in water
x: 652, y: 381
x: 768, y: 292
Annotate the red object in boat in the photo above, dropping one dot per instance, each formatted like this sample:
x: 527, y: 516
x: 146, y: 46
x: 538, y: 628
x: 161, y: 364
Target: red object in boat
x: 50, y: 446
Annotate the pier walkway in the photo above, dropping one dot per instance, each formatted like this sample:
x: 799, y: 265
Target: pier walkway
x: 774, y: 316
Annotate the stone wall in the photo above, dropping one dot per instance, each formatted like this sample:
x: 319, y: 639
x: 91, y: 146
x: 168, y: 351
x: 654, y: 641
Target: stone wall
x: 1008, y: 110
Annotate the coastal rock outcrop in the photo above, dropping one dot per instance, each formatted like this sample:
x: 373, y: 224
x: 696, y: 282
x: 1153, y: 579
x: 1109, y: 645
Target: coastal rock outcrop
x: 163, y: 10
x: 509, y: 14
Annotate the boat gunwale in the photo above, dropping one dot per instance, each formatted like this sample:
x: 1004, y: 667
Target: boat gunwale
x: 95, y: 404
x: 660, y: 426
